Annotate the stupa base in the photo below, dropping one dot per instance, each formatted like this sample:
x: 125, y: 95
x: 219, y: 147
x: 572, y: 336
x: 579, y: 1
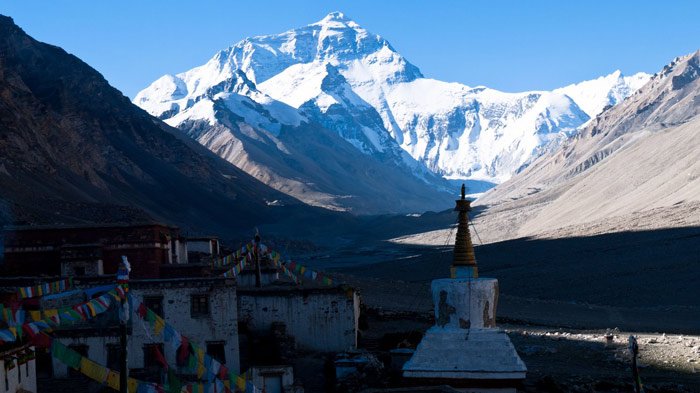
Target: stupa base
x: 468, y: 358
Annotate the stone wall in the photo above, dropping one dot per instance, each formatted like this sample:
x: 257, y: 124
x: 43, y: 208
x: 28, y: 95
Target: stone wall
x: 320, y: 319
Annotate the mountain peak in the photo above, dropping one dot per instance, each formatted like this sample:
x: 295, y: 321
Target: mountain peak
x: 335, y: 16
x: 594, y: 95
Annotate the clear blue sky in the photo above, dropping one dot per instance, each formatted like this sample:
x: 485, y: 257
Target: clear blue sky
x: 507, y: 45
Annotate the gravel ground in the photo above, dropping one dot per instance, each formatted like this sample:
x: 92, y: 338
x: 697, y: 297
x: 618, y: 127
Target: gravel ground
x: 558, y: 331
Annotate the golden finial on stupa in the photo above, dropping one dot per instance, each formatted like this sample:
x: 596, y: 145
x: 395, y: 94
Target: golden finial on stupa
x: 464, y: 261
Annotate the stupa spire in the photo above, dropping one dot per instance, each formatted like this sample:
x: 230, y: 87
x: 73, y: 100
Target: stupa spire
x: 464, y: 261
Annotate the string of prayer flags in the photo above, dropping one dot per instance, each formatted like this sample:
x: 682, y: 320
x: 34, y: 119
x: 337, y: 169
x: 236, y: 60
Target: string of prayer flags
x: 45, y: 289
x: 309, y: 274
x: 295, y: 270
x: 191, y: 357
x: 58, y: 317
x: 233, y: 257
x: 236, y: 270
x: 12, y: 317
x: 289, y: 274
x: 224, y: 261
x: 96, y: 371
x: 244, y: 253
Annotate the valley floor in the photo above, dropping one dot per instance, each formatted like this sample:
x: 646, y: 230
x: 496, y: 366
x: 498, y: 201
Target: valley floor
x: 576, y: 360
x: 558, y: 296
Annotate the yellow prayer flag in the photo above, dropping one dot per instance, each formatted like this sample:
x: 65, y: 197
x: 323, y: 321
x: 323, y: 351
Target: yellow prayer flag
x: 93, y: 370
x: 200, y: 362
x: 158, y: 326
x: 240, y: 383
x: 132, y: 385
x: 35, y: 315
x: 113, y: 379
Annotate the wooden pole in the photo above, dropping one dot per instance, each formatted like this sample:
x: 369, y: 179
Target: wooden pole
x: 123, y: 280
x: 634, y: 350
x: 258, y: 273
x: 123, y: 361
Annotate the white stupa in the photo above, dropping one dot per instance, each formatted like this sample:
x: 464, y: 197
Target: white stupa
x: 465, y: 349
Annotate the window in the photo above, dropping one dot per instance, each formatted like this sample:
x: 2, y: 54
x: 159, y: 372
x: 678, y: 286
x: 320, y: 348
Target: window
x: 44, y: 363
x: 114, y: 356
x: 215, y: 349
x: 82, y: 349
x: 272, y: 383
x: 199, y: 306
x: 150, y: 356
x: 155, y: 303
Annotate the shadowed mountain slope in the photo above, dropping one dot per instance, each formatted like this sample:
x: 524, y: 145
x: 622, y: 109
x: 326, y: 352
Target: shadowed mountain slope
x: 74, y: 149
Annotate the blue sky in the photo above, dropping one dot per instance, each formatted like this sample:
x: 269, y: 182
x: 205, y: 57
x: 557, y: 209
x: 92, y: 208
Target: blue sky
x: 507, y: 45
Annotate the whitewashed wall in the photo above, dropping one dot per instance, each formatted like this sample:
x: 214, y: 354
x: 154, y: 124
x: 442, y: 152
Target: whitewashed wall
x: 27, y: 381
x: 320, y: 319
x: 220, y: 325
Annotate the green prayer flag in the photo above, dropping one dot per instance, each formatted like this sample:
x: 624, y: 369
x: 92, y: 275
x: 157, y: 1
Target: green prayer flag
x: 174, y: 384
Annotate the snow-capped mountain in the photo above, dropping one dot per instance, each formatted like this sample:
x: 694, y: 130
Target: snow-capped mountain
x: 336, y: 74
x: 595, y: 95
x: 286, y: 148
x: 635, y: 166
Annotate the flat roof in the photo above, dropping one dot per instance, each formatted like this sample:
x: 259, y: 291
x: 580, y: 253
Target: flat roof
x: 10, y: 228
